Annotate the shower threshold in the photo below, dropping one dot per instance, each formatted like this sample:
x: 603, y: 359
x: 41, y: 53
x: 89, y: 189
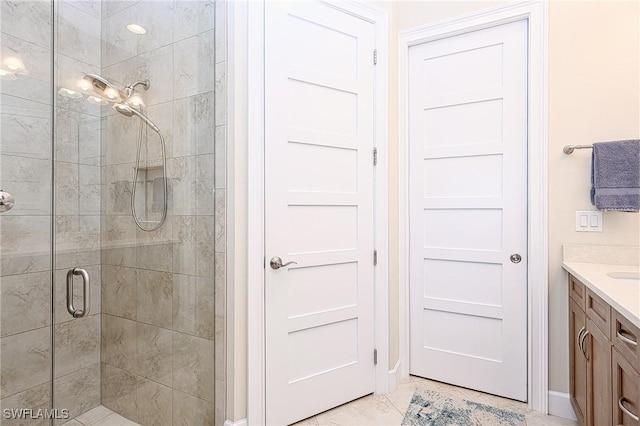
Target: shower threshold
x: 100, y: 416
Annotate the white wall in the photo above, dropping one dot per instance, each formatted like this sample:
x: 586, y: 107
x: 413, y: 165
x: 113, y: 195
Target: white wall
x: 594, y: 95
x: 416, y: 13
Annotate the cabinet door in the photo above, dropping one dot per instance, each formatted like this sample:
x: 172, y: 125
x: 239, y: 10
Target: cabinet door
x: 577, y: 291
x: 599, y: 312
x: 626, y: 383
x: 624, y: 336
x: 599, y: 389
x: 578, y: 362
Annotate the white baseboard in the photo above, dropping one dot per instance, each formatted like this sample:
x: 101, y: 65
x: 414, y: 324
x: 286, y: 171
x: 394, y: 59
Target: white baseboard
x: 393, y: 377
x: 241, y: 422
x: 560, y: 405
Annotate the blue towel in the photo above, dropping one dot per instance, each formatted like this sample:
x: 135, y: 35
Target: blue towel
x: 615, y: 176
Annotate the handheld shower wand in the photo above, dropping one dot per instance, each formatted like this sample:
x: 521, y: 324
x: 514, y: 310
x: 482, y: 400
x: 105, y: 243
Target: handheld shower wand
x: 128, y: 110
x: 124, y: 103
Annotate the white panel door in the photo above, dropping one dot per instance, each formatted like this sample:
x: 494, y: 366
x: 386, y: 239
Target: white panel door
x: 468, y: 209
x: 319, y: 81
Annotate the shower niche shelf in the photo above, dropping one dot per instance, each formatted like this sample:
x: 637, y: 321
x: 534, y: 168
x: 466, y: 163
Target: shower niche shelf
x: 150, y: 193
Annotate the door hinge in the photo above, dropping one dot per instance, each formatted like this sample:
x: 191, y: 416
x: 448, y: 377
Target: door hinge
x: 264, y: 263
x: 375, y: 357
x: 375, y: 156
x: 375, y: 257
x: 375, y: 56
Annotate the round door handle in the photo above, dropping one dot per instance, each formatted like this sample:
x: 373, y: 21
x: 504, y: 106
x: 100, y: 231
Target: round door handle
x: 276, y: 263
x: 515, y: 258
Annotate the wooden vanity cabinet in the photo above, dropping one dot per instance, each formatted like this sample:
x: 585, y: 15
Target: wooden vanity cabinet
x: 590, y: 365
x: 598, y: 351
x: 624, y: 336
x: 625, y: 367
x: 626, y: 392
x: 578, y: 362
x: 577, y: 291
x: 603, y: 365
x: 599, y: 312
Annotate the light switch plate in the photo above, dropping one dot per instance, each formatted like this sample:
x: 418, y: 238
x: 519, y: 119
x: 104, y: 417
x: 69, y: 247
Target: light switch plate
x: 588, y: 221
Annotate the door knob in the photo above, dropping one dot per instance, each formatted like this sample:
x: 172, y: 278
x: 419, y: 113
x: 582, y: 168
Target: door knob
x: 515, y: 258
x: 276, y: 263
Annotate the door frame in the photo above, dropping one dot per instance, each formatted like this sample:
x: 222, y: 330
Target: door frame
x: 535, y: 12
x: 256, y: 374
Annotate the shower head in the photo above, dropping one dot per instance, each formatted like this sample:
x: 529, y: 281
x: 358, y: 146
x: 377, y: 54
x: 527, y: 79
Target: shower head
x: 128, y: 111
x: 120, y: 96
x: 124, y: 109
x: 129, y: 88
x: 104, y: 88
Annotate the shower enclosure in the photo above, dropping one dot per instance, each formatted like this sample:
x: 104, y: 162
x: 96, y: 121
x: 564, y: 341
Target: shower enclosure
x: 108, y: 264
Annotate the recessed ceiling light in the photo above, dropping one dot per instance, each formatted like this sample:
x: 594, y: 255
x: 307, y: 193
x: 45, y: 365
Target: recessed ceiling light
x: 136, y: 29
x: 14, y: 64
x: 7, y: 75
x: 136, y: 100
x: 4, y: 75
x: 84, y: 84
x: 96, y: 101
x: 111, y: 93
x: 68, y: 93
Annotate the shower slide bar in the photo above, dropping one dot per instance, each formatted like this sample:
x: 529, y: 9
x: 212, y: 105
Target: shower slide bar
x: 568, y: 149
x: 86, y: 293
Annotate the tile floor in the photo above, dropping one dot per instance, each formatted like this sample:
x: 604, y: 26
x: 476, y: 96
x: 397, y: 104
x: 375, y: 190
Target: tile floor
x: 100, y: 416
x: 388, y: 410
x: 381, y: 410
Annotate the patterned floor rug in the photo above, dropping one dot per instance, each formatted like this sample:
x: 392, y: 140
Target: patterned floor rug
x: 430, y: 408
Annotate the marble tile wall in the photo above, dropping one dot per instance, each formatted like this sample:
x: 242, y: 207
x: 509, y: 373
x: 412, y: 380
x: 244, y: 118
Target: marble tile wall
x: 25, y: 240
x: 162, y: 323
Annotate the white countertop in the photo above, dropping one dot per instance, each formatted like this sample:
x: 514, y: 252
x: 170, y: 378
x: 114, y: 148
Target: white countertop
x: 623, y: 296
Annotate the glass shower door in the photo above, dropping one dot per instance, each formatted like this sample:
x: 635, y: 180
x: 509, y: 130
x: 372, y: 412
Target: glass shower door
x: 77, y: 161
x: 50, y: 158
x: 134, y: 92
x: 26, y: 134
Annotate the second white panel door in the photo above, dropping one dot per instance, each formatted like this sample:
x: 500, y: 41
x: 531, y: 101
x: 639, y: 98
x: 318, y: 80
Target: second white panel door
x: 468, y: 209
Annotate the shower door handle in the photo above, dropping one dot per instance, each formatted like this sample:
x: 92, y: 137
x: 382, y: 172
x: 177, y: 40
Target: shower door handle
x: 86, y: 293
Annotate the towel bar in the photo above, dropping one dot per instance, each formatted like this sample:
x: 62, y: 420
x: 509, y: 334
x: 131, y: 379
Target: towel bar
x: 568, y: 149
